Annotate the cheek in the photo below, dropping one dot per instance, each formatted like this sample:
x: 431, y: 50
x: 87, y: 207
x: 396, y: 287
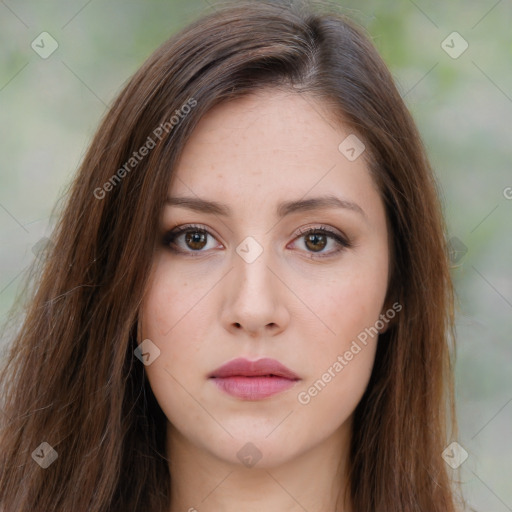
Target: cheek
x: 341, y: 363
x: 331, y: 397
x: 350, y: 301
x: 164, y: 321
x: 172, y: 297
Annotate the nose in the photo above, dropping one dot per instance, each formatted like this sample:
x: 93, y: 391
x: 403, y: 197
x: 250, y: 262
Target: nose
x: 255, y: 298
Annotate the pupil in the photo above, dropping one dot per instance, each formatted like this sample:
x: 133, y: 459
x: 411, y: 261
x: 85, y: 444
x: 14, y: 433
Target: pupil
x: 314, y: 238
x: 195, y: 238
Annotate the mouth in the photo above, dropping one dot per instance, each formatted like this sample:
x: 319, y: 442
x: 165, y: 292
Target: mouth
x: 253, y: 380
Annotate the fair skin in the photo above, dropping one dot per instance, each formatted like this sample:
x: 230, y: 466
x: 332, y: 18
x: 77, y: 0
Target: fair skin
x: 299, y: 302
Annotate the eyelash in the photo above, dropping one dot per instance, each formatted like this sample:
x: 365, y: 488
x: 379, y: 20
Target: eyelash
x: 173, y: 234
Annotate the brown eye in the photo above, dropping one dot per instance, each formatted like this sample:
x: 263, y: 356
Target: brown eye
x: 195, y: 240
x: 316, y: 242
x: 188, y: 239
x: 317, y: 239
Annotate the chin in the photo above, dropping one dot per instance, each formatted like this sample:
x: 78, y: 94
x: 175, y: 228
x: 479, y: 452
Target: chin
x: 255, y: 448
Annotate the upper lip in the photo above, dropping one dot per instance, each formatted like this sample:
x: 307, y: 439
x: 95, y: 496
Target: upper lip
x: 245, y: 368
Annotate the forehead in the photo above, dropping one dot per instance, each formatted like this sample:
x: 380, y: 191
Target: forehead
x: 267, y: 146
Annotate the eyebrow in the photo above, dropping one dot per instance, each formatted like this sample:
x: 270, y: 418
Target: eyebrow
x: 284, y: 208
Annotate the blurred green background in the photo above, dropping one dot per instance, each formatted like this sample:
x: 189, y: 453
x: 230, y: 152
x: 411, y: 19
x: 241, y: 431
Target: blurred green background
x: 463, y: 106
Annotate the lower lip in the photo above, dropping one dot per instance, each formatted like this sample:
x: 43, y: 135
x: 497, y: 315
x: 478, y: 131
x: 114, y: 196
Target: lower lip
x: 253, y: 388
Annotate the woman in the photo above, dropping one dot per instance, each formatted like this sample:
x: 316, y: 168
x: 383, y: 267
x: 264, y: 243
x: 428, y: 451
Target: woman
x: 247, y: 301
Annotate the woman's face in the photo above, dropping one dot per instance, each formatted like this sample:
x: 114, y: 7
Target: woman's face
x: 244, y: 281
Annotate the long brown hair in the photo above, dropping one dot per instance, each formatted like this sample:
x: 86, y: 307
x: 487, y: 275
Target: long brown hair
x: 71, y: 378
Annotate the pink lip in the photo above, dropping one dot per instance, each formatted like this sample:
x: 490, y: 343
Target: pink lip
x: 253, y: 380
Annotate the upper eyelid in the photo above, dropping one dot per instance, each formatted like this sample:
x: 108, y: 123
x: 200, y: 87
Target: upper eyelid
x: 301, y: 231
x: 178, y: 230
x: 331, y: 232
x: 322, y: 227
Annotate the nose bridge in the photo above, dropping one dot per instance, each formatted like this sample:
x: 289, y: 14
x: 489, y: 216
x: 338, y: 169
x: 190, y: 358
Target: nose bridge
x: 254, y: 296
x: 252, y: 261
